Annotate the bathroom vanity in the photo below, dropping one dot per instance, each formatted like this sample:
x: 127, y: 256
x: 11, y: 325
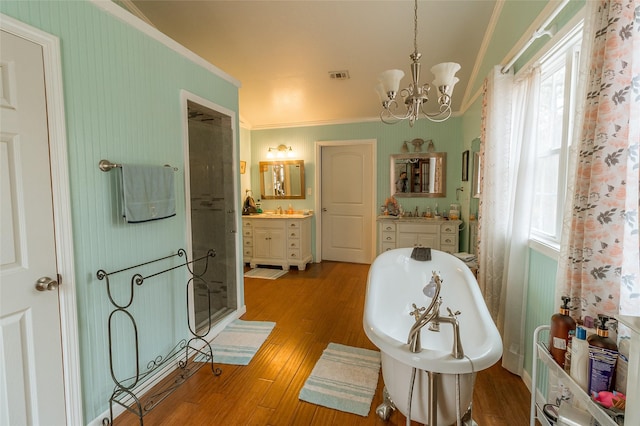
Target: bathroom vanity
x: 277, y: 240
x: 397, y: 232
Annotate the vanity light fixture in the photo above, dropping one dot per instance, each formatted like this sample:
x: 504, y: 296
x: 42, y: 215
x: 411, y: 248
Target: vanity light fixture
x: 416, y: 95
x: 281, y: 151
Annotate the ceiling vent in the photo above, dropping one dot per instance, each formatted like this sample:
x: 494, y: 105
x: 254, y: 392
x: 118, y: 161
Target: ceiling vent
x: 339, y: 75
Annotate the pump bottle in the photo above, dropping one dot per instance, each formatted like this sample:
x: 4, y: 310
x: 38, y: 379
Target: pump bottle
x: 561, y: 324
x: 603, y: 354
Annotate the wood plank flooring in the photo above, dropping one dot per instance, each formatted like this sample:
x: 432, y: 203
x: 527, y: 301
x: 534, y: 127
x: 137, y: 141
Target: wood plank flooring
x: 311, y: 308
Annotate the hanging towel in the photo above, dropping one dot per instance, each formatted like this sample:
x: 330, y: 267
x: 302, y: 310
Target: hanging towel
x: 148, y: 193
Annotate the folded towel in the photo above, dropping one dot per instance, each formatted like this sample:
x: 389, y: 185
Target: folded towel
x: 148, y: 193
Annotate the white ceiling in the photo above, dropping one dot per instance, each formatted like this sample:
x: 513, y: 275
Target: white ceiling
x: 282, y: 51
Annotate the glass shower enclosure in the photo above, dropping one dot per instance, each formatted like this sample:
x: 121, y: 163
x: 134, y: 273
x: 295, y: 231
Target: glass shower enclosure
x: 213, y: 212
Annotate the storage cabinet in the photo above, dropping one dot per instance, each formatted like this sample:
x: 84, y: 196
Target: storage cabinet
x: 580, y: 397
x: 278, y: 240
x: 396, y: 232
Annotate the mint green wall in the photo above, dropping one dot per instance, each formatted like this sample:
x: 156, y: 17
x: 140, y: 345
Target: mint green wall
x: 540, y: 304
x: 447, y: 137
x: 122, y: 101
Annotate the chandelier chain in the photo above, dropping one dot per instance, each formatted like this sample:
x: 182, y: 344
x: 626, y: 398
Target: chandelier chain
x: 415, y: 27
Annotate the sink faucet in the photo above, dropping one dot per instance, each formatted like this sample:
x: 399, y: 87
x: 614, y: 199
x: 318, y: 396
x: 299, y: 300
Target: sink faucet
x: 432, y: 315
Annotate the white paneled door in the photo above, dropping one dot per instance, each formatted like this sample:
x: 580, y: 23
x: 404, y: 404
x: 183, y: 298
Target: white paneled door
x: 31, y: 373
x: 347, y: 203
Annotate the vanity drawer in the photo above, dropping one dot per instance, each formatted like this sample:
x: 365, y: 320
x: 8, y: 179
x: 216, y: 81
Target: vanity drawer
x: 248, y: 242
x: 388, y: 246
x: 293, y: 233
x: 449, y: 229
x: 294, y: 254
x: 388, y: 237
x: 247, y: 232
x: 294, y: 244
x: 419, y: 228
x: 389, y: 227
x: 248, y: 252
x: 447, y: 240
x: 449, y: 249
x: 293, y: 224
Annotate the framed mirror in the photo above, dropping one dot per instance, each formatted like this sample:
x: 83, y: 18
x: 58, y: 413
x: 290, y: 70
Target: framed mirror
x: 282, y: 179
x: 419, y: 174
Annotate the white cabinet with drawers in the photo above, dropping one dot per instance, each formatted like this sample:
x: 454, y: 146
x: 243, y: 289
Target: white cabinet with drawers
x: 437, y: 234
x: 279, y: 240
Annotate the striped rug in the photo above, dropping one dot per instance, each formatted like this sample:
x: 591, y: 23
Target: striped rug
x: 239, y: 341
x: 344, y: 378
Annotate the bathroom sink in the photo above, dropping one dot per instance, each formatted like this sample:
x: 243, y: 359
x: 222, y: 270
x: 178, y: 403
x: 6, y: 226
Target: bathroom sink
x: 396, y: 282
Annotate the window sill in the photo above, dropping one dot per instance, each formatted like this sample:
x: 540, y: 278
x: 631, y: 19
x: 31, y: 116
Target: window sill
x: 545, y: 247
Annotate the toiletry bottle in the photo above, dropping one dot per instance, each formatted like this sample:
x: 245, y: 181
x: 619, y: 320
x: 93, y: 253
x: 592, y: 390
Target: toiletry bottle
x: 567, y: 354
x: 561, y: 324
x: 580, y: 358
x: 290, y: 209
x: 622, y: 366
x: 603, y: 354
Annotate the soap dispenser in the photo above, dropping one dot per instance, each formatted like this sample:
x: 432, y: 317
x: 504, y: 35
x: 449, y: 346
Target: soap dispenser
x: 603, y: 354
x: 561, y: 324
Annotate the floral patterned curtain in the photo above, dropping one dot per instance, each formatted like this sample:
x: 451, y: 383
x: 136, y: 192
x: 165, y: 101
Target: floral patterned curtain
x: 599, y: 259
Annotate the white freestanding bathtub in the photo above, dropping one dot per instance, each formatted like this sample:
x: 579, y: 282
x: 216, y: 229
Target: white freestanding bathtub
x: 395, y: 282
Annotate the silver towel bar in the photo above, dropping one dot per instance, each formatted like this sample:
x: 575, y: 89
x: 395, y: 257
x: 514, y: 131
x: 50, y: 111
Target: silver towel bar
x: 107, y: 166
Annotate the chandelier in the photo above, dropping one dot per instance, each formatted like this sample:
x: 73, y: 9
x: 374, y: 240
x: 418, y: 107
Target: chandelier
x: 416, y: 95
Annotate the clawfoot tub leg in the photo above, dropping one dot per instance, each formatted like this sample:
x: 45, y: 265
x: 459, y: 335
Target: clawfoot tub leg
x: 385, y: 409
x: 467, y: 420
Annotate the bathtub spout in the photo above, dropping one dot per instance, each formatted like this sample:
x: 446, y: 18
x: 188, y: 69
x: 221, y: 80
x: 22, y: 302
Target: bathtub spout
x: 456, y: 351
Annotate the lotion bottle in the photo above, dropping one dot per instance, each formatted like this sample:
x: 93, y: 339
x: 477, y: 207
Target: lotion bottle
x: 561, y: 324
x: 580, y: 358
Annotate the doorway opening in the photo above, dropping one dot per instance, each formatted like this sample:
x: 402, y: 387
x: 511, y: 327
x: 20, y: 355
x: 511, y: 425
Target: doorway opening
x: 212, y: 199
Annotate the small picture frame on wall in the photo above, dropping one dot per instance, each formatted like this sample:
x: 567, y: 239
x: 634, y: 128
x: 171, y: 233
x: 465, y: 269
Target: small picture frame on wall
x: 243, y: 167
x: 465, y: 166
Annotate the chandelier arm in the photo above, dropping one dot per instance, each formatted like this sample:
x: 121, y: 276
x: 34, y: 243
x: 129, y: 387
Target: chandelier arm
x: 438, y: 117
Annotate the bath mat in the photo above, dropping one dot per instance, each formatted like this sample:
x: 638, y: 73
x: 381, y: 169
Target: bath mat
x: 267, y: 274
x: 239, y: 341
x: 344, y: 378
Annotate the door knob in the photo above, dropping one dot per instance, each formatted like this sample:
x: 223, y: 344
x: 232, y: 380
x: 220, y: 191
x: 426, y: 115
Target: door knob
x: 46, y: 283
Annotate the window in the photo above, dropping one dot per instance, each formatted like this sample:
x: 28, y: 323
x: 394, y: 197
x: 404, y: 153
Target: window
x: 554, y: 126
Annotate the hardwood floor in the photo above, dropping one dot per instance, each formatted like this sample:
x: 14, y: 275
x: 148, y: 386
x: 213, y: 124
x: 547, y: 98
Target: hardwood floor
x: 311, y: 308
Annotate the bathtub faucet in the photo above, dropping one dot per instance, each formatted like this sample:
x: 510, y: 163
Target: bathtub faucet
x: 425, y: 317
x: 432, y: 315
x: 457, y: 351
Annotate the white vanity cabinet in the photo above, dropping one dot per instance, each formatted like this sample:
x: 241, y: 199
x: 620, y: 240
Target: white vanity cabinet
x: 437, y: 234
x: 278, y: 240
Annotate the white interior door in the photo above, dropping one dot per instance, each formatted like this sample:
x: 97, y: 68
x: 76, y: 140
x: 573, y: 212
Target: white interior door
x: 347, y: 203
x: 31, y: 372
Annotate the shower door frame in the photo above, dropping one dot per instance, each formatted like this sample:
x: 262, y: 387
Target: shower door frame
x: 240, y: 308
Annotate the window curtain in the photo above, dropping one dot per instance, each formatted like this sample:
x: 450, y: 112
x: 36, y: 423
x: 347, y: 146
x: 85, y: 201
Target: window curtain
x: 599, y: 257
x: 506, y: 150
